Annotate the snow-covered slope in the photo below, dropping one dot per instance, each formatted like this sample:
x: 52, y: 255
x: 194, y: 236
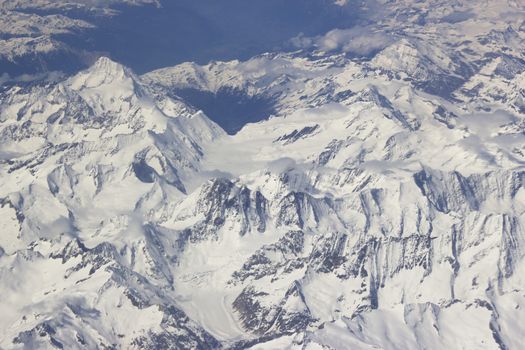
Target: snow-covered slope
x: 385, y: 198
x: 381, y: 205
x: 84, y: 163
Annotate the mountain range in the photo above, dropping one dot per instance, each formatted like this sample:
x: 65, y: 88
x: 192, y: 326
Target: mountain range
x: 362, y: 189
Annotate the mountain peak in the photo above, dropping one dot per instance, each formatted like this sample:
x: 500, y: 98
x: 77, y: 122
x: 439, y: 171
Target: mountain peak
x: 110, y: 70
x: 107, y: 64
x: 103, y: 72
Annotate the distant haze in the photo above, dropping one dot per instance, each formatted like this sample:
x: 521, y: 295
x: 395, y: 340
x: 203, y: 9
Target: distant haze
x: 147, y: 37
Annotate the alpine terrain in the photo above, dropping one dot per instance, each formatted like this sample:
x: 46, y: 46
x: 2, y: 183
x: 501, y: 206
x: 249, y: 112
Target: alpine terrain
x: 362, y: 189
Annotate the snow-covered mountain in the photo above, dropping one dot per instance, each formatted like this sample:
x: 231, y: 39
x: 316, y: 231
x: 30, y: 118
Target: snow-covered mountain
x: 375, y: 201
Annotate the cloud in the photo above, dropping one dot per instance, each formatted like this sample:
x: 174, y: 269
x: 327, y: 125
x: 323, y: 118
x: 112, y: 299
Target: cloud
x: 358, y: 41
x: 281, y: 165
x: 52, y: 76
